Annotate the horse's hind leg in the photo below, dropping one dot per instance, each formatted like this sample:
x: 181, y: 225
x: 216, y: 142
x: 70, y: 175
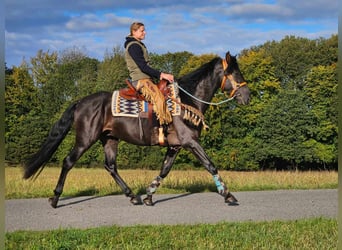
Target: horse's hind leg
x: 68, y: 163
x: 85, y: 138
x: 170, y: 157
x: 110, y: 146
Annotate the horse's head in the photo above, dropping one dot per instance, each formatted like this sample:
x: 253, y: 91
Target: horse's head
x: 233, y: 81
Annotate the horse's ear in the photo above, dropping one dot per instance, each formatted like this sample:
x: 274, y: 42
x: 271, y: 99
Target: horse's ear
x: 228, y: 56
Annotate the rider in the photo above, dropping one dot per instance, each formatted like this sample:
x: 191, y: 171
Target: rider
x: 141, y: 73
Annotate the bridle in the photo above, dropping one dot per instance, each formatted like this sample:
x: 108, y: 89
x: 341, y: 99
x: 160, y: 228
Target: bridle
x: 230, y: 77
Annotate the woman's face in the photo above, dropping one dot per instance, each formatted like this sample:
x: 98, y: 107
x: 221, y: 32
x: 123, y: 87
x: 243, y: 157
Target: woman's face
x: 140, y: 33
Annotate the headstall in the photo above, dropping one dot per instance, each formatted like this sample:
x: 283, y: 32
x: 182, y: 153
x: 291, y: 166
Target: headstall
x: 235, y: 85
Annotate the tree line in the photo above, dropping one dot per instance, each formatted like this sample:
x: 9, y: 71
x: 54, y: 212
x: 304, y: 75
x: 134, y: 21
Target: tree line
x: 291, y: 122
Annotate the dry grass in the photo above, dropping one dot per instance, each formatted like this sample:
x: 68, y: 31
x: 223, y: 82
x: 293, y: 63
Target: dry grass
x: 96, y: 181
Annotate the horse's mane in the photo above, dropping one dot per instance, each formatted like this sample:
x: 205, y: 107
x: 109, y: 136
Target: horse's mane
x: 194, y: 77
x: 191, y: 79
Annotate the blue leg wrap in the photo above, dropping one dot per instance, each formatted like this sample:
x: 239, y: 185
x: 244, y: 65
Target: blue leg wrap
x: 219, y: 184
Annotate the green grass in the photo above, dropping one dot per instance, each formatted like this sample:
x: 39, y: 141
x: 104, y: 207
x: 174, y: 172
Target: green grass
x: 318, y: 233
x: 96, y: 181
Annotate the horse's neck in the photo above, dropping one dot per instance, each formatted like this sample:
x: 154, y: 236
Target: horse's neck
x: 205, y: 93
x: 204, y: 90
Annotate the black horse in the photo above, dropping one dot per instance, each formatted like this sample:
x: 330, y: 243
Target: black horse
x: 93, y: 120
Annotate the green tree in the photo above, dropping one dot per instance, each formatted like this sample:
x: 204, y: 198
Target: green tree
x: 259, y: 72
x: 283, y: 129
x: 327, y: 51
x: 112, y: 71
x: 86, y: 82
x: 44, y: 65
x: 20, y: 99
x: 73, y: 78
x: 321, y: 88
x: 195, y: 62
x: 170, y: 62
x: 293, y: 57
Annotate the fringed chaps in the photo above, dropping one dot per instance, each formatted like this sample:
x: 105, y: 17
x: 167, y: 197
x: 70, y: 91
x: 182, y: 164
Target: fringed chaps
x: 153, y: 95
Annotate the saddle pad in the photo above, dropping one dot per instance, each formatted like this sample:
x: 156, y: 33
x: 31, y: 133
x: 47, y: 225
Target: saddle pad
x: 132, y: 108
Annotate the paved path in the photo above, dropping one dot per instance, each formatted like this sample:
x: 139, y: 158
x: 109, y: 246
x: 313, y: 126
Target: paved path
x: 89, y: 211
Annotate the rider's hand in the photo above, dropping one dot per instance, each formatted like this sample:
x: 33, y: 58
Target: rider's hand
x: 167, y: 77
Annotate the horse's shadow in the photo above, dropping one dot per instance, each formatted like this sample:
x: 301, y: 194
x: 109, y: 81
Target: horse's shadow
x: 80, y: 197
x: 78, y: 201
x: 172, y: 198
x: 189, y: 189
x: 74, y: 202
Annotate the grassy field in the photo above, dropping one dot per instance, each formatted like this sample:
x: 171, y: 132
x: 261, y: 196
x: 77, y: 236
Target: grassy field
x: 96, y: 181
x: 316, y: 233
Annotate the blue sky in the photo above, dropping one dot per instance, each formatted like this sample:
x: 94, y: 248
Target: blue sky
x: 211, y: 26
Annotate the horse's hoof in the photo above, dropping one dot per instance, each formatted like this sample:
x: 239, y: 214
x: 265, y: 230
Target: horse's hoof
x: 136, y: 200
x: 53, y: 202
x: 231, y: 200
x: 148, y: 201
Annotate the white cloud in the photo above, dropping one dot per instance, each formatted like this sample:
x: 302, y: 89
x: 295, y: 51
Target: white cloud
x: 91, y: 22
x: 212, y: 26
x: 259, y: 11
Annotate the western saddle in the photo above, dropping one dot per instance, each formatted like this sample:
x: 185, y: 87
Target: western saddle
x: 131, y: 93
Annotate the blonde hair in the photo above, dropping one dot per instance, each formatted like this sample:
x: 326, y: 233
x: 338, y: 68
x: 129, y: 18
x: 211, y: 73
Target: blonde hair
x: 135, y: 26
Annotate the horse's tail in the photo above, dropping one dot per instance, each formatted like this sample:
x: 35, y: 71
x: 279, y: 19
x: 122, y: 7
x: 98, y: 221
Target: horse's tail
x: 57, y: 133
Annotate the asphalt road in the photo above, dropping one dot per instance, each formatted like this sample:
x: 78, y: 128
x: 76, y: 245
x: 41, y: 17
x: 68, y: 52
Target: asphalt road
x: 90, y: 211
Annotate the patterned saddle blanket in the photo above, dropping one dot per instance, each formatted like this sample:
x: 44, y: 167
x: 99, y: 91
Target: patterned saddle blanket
x: 134, y: 108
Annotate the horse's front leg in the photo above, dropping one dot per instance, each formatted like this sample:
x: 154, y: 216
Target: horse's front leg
x: 224, y: 191
x: 187, y: 139
x: 169, y: 158
x: 194, y: 147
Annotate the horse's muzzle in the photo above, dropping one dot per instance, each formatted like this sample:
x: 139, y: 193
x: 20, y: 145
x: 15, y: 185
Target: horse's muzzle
x: 242, y: 95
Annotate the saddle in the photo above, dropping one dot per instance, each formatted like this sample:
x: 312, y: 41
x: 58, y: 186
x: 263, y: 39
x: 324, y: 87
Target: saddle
x: 131, y: 93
